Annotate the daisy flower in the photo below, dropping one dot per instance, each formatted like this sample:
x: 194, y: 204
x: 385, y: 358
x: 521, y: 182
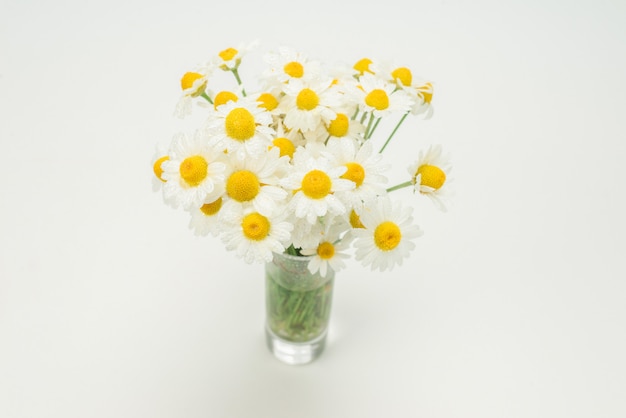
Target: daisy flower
x: 343, y: 127
x: 399, y: 75
x: 254, y: 181
x: 386, y: 239
x: 241, y: 126
x: 424, y: 92
x: 269, y: 100
x: 194, y: 172
x: 254, y: 237
x: 317, y: 135
x: 342, y: 74
x: 287, y: 141
x: 362, y: 66
x: 307, y: 105
x: 306, y: 234
x: 429, y: 175
x: 363, y: 168
x: 159, y: 156
x: 379, y: 97
x: 230, y: 58
x: 194, y: 84
x: 328, y: 252
x: 313, y: 152
x: 314, y: 182
x: 287, y: 64
x: 421, y: 91
x: 226, y: 96
x: 205, y: 220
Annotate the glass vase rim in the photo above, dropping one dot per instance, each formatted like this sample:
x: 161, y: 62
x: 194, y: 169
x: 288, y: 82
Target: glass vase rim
x: 293, y: 257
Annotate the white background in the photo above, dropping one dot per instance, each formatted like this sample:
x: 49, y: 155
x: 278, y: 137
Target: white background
x: 513, y: 304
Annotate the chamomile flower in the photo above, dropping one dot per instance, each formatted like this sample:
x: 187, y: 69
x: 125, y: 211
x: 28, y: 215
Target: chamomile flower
x: 399, y: 75
x: 160, y: 155
x: 317, y: 135
x: 287, y: 64
x: 355, y: 218
x: 423, y: 104
x: 306, y: 234
x: 429, y: 175
x: 343, y: 127
x: 314, y: 182
x: 420, y: 91
x: 193, y: 85
x: 194, y: 172
x: 379, y: 97
x: 229, y: 59
x: 287, y: 140
x: 269, y: 100
x: 311, y: 154
x: 386, y: 239
x: 225, y: 96
x: 307, y: 105
x: 362, y: 66
x: 364, y: 168
x: 205, y: 219
x: 241, y: 126
x: 329, y: 250
x: 342, y: 75
x: 253, y: 181
x: 254, y: 237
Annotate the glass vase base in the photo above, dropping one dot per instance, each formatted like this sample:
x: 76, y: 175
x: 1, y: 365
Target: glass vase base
x: 294, y: 353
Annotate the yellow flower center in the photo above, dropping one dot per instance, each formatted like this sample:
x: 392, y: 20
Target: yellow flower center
x: 307, y: 99
x: 355, y: 220
x: 188, y: 79
x: 403, y: 74
x: 240, y: 124
x: 363, y: 65
x: 432, y: 176
x: 285, y: 146
x: 377, y: 99
x: 427, y: 92
x: 255, y: 226
x: 316, y: 184
x: 267, y: 101
x: 243, y: 186
x: 355, y: 173
x: 338, y: 127
x: 228, y: 54
x: 210, y: 209
x: 224, y: 97
x: 186, y: 82
x: 294, y: 69
x: 326, y: 250
x: 193, y: 170
x: 158, y: 171
x: 387, y: 236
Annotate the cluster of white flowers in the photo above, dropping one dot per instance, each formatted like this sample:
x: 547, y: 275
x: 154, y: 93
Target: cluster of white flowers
x: 291, y: 166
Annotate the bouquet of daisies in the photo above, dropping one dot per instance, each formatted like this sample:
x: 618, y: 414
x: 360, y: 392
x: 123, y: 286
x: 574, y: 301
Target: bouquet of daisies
x: 290, y: 164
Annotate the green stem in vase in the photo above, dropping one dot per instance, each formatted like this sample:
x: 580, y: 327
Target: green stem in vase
x: 297, y: 315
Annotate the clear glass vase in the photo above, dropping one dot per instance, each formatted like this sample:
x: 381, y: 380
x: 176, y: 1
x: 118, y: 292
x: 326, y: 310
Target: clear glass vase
x: 298, y: 309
